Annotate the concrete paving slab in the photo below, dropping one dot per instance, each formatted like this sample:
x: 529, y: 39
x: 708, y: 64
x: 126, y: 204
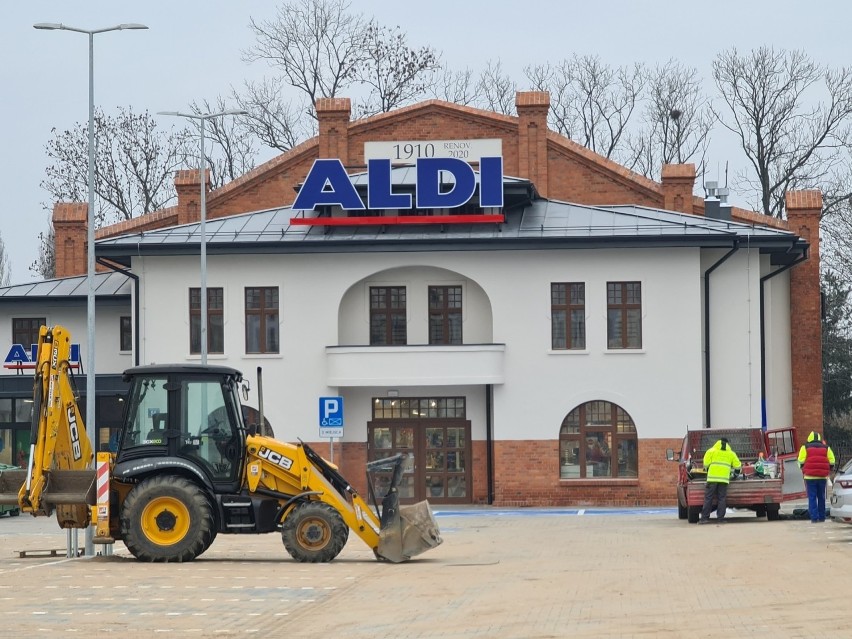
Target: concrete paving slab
x: 526, y: 574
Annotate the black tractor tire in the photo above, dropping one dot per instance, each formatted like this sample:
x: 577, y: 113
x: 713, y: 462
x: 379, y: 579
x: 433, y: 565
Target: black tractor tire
x: 693, y: 513
x: 167, y: 518
x: 773, y: 512
x: 682, y: 511
x: 314, y: 532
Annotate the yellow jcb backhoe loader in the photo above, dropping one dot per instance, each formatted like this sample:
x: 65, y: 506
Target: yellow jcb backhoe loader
x: 187, y: 469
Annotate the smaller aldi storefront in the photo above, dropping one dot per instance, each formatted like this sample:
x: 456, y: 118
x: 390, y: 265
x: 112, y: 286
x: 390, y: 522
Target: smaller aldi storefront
x: 16, y: 413
x: 435, y: 434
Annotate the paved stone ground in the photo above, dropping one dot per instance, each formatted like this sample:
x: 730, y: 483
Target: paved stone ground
x: 511, y: 574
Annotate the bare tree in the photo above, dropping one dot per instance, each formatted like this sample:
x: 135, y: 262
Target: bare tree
x: 497, y: 89
x: 459, y: 87
x: 5, y: 267
x: 395, y: 72
x: 590, y: 102
x: 134, y: 163
x: 45, y: 263
x: 231, y: 152
x: 677, y: 121
x: 275, y: 121
x: 789, y: 143
x: 317, y: 45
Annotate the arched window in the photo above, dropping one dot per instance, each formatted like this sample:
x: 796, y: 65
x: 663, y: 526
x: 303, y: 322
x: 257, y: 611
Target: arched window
x: 598, y: 439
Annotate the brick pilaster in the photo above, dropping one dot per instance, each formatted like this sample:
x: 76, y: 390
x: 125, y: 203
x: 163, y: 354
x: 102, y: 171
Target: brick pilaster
x: 188, y: 187
x: 803, y: 213
x: 532, y: 107
x: 333, y: 117
x: 678, y: 181
x: 70, y: 228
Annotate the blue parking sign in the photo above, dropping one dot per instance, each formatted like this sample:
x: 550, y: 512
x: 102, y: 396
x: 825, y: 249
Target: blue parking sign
x: 331, y: 416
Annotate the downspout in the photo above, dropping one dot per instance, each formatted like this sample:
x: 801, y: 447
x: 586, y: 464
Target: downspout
x: 135, y: 279
x: 707, y: 329
x: 763, y: 279
x: 489, y: 443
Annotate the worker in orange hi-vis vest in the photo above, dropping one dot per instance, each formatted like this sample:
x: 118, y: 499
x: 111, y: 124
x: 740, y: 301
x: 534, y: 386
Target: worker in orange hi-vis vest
x: 816, y: 459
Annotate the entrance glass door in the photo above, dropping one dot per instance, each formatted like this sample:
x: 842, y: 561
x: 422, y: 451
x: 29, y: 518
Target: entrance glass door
x: 437, y: 464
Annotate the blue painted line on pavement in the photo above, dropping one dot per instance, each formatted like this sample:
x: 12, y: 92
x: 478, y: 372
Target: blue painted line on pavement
x: 552, y: 512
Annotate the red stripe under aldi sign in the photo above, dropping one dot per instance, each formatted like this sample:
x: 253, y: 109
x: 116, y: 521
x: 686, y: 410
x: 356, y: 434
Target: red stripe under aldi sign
x: 379, y: 220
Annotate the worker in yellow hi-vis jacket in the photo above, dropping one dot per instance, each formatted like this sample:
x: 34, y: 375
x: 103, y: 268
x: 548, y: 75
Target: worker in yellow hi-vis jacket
x: 720, y: 461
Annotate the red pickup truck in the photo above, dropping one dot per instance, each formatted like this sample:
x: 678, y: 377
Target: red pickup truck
x: 763, y: 493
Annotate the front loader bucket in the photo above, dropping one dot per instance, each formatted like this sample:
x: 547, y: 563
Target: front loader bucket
x: 10, y: 485
x: 408, y: 531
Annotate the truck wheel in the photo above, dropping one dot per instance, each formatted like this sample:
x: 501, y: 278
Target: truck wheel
x: 166, y: 518
x: 682, y: 511
x: 773, y: 512
x: 760, y: 511
x: 14, y: 512
x: 314, y: 532
x: 693, y: 513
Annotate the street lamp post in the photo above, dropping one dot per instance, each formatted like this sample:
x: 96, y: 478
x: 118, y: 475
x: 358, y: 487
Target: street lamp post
x: 91, y: 430
x: 202, y: 168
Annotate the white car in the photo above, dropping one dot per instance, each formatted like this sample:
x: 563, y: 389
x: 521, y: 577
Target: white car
x: 841, y: 495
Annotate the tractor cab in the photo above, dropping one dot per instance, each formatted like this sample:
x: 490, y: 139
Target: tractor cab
x: 185, y: 412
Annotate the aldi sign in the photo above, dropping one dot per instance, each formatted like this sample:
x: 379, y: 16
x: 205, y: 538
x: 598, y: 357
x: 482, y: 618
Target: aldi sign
x: 18, y: 358
x: 328, y: 184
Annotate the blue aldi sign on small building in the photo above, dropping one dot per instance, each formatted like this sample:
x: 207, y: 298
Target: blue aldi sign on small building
x: 331, y: 416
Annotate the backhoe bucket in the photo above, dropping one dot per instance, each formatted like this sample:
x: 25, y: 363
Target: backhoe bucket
x: 10, y: 485
x: 70, y: 487
x: 406, y: 531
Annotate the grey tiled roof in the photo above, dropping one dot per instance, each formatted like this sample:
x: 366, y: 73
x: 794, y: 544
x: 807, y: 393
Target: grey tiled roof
x: 530, y: 222
x: 542, y: 219
x: 109, y: 284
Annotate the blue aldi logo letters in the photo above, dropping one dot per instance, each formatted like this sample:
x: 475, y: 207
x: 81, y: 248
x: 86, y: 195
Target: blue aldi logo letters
x: 18, y: 358
x: 328, y: 184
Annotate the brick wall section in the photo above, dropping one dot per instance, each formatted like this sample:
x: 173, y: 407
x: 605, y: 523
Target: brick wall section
x: 333, y: 120
x: 678, y: 180
x: 188, y: 187
x: 527, y: 474
x: 803, y: 213
x: 70, y: 227
x: 532, y: 107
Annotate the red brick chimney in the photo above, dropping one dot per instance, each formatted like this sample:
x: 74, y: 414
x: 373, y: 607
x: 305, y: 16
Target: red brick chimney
x: 188, y: 187
x: 333, y: 115
x: 678, y: 180
x: 70, y: 228
x: 803, y: 212
x: 532, y: 107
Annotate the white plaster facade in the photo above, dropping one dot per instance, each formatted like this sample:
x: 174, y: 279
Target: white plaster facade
x: 324, y: 329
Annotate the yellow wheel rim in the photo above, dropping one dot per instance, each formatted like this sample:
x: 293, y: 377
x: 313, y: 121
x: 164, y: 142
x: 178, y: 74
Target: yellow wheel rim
x: 313, y: 534
x: 165, y: 521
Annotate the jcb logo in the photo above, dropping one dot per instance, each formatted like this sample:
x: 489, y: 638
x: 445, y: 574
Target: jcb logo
x: 275, y: 458
x: 75, y: 434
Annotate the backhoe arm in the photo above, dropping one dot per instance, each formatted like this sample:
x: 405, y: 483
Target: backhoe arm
x: 59, y: 470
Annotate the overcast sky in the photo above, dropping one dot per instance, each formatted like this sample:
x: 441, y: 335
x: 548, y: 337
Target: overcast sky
x: 192, y: 52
